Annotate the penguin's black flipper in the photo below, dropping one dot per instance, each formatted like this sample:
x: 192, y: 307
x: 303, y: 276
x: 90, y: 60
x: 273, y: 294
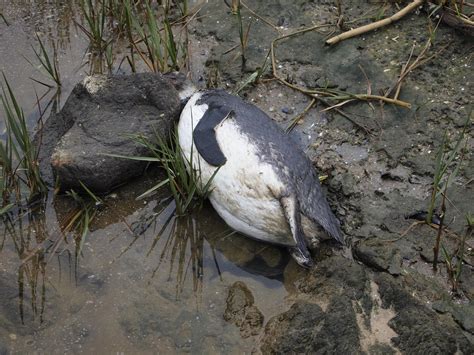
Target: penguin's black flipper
x: 204, y: 135
x: 300, y: 252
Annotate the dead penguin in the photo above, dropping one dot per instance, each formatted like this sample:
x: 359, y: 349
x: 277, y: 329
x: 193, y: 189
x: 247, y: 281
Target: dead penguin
x: 266, y: 187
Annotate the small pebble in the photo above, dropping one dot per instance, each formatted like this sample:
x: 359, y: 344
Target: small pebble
x: 287, y: 110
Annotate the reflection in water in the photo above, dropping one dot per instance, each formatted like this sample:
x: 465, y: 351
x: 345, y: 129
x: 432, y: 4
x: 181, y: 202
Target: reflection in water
x: 151, y: 267
x: 27, y: 231
x: 53, y: 18
x: 179, y: 244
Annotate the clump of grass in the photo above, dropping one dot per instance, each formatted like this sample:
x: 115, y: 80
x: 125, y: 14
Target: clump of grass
x: 448, y: 163
x: 48, y: 64
x: 29, y: 241
x: 19, y: 156
x: 454, y: 262
x: 186, y: 185
x: 80, y: 219
x: 156, y: 43
x: 94, y: 13
x: 254, y: 77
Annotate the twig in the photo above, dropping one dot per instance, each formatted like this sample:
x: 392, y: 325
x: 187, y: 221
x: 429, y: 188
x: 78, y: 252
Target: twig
x: 260, y: 17
x: 295, y: 120
x: 408, y: 68
x: 364, y: 29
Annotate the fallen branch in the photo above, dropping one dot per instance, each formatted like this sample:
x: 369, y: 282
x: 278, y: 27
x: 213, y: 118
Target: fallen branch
x: 364, y: 97
x: 372, y: 26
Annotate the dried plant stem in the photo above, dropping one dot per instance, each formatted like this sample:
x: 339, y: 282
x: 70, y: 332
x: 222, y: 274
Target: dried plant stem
x: 264, y: 20
x: 330, y: 94
x: 372, y: 26
x: 365, y: 97
x: 295, y: 120
x: 409, y: 67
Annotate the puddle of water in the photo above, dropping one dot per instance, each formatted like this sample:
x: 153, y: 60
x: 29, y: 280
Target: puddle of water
x: 54, y: 23
x: 146, y: 280
x: 163, y: 288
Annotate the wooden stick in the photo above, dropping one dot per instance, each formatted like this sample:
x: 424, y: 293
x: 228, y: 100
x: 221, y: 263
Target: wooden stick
x: 372, y: 26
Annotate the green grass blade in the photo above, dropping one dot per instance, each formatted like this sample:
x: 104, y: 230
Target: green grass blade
x: 154, y: 188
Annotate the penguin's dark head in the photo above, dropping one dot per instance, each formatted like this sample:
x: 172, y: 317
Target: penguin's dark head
x: 183, y: 85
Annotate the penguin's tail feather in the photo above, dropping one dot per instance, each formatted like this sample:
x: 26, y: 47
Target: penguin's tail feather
x: 329, y: 222
x: 316, y: 207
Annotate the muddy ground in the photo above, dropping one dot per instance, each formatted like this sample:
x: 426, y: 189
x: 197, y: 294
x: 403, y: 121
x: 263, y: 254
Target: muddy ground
x: 380, y: 159
x: 380, y: 164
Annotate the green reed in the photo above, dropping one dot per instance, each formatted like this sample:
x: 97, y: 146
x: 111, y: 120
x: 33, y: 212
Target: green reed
x: 186, y: 185
x: 49, y: 65
x: 94, y: 13
x: 449, y: 159
x: 19, y: 156
x: 88, y: 205
x: 155, y: 42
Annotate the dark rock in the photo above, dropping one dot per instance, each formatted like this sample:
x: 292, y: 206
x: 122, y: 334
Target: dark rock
x: 241, y: 310
x: 340, y: 332
x: 419, y: 329
x: 293, y: 331
x: 306, y: 328
x: 379, y: 255
x: 98, y: 118
x: 349, y: 303
x: 463, y: 314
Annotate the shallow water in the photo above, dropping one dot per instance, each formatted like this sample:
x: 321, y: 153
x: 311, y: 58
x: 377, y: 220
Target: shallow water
x: 163, y: 288
x: 146, y: 280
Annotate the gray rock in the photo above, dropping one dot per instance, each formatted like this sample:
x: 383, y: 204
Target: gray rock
x: 98, y: 118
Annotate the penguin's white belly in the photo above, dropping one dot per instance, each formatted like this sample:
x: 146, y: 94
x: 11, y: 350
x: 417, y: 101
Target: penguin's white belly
x: 245, y: 190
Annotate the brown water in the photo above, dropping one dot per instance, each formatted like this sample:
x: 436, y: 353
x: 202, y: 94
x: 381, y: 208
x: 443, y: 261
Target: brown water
x: 147, y: 281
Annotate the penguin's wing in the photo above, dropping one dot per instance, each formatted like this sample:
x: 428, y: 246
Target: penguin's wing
x: 315, y: 206
x: 291, y: 208
x: 204, y: 135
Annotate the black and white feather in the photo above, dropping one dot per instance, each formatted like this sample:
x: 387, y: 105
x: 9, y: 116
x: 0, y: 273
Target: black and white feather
x: 266, y: 187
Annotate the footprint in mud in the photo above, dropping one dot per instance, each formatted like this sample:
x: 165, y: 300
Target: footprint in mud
x: 241, y: 310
